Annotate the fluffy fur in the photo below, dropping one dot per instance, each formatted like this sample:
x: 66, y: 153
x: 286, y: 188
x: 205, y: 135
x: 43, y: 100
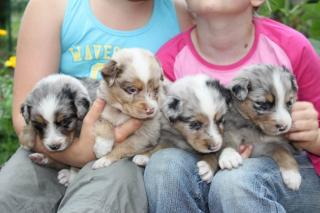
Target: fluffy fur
x: 54, y: 111
x: 262, y: 97
x: 131, y: 85
x: 193, y: 121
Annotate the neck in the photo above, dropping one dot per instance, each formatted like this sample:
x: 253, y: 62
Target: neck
x: 122, y: 14
x: 223, y: 40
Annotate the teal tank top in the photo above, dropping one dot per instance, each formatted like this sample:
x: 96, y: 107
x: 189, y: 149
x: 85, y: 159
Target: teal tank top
x: 87, y: 44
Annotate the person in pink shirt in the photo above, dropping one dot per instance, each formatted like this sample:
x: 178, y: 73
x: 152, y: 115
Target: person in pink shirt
x: 227, y: 37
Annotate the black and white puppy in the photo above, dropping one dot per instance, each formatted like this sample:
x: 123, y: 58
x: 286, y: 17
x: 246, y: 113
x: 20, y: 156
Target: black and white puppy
x: 54, y: 111
x: 193, y: 111
x: 262, y: 97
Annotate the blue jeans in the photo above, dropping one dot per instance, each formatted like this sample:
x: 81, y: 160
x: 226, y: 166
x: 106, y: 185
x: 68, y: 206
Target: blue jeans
x: 173, y: 185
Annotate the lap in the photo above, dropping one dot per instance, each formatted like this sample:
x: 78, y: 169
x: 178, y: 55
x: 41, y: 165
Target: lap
x: 118, y: 188
x: 27, y: 187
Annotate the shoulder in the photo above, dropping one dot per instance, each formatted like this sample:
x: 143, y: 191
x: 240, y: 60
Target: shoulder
x: 185, y: 18
x: 48, y: 9
x: 169, y: 51
x: 174, y: 45
x: 294, y: 43
x: 281, y: 34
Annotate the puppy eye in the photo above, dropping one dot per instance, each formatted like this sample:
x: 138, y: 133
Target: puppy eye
x: 261, y: 105
x: 156, y: 90
x: 38, y: 126
x: 289, y: 104
x: 130, y: 90
x: 220, y: 121
x: 66, y: 123
x: 195, y: 125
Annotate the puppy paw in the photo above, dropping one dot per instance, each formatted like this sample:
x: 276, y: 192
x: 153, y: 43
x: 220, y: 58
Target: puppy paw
x: 65, y: 177
x: 102, y: 146
x: 39, y: 159
x: 291, y: 178
x: 205, y: 171
x: 229, y: 159
x: 102, y: 162
x: 140, y: 160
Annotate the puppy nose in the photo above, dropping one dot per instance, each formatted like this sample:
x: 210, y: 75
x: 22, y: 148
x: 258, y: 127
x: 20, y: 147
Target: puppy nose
x: 212, y: 147
x: 55, y: 146
x: 149, y: 111
x: 281, y: 127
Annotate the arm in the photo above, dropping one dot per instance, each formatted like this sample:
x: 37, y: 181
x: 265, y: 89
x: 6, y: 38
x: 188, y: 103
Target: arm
x: 38, y: 50
x: 185, y: 18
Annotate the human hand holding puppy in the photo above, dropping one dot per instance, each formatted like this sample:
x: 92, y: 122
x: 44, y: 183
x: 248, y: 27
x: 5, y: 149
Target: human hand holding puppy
x: 81, y: 150
x: 305, y: 127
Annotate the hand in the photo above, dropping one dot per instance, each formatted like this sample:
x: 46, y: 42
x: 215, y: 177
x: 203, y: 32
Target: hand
x: 305, y: 127
x: 245, y: 151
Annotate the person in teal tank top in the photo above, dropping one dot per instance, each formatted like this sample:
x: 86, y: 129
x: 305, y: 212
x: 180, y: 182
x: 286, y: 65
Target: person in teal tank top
x: 75, y: 37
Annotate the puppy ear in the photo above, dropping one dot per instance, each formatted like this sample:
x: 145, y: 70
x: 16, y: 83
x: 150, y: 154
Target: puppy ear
x: 25, y: 110
x: 110, y: 72
x: 223, y: 90
x: 172, y: 108
x: 240, y: 88
x: 82, y: 103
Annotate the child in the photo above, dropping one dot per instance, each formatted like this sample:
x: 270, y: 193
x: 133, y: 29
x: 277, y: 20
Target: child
x: 77, y: 37
x: 226, y: 38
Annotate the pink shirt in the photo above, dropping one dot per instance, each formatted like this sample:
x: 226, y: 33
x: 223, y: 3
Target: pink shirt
x: 274, y: 43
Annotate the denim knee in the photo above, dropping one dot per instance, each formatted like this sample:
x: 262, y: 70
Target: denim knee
x: 172, y: 182
x: 246, y: 188
x: 167, y: 167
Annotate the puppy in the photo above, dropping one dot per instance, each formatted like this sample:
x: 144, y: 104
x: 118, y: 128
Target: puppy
x: 53, y: 111
x: 262, y: 97
x: 193, y: 120
x: 131, y: 85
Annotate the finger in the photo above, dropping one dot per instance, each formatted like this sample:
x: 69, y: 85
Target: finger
x: 304, y: 125
x: 303, y: 136
x: 304, y: 115
x: 126, y: 129
x: 246, y: 151
x: 302, y: 105
x: 95, y: 111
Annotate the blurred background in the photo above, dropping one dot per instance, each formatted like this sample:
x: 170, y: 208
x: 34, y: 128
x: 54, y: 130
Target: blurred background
x: 303, y: 15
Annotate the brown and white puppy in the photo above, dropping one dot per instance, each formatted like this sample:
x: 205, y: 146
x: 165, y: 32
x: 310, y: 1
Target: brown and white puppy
x: 131, y: 85
x: 193, y: 111
x: 53, y: 111
x: 262, y: 97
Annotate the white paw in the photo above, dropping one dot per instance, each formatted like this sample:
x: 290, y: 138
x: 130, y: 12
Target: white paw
x: 102, y: 146
x: 39, y: 158
x: 230, y: 159
x: 140, y: 160
x: 205, y: 171
x: 65, y: 177
x: 291, y: 178
x: 102, y: 162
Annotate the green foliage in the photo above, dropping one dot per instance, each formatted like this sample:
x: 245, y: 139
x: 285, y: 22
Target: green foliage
x: 8, y: 139
x: 301, y: 15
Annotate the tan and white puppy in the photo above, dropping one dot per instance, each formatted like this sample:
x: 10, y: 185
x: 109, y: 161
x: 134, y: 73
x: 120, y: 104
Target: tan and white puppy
x: 193, y: 111
x: 262, y: 97
x: 131, y: 85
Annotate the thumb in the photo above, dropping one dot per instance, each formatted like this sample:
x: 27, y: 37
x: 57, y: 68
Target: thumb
x: 245, y: 151
x: 95, y: 111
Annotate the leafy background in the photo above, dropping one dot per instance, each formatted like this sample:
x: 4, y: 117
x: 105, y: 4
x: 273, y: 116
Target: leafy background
x: 299, y: 14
